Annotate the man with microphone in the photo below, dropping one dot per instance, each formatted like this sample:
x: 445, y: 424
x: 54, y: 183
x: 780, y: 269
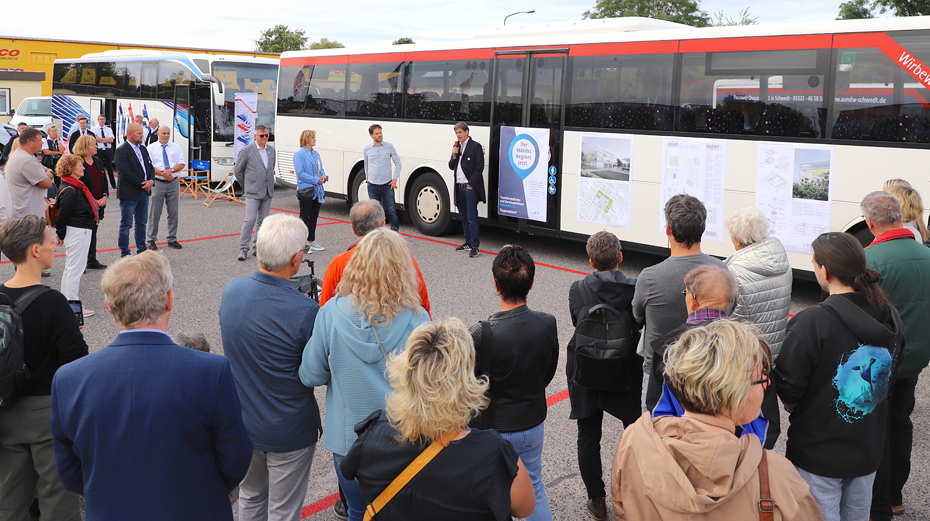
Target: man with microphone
x: 468, y: 164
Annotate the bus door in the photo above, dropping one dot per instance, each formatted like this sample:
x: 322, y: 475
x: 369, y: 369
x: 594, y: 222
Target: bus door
x: 96, y: 109
x: 182, y: 127
x: 201, y: 115
x: 526, y: 116
x: 109, y: 110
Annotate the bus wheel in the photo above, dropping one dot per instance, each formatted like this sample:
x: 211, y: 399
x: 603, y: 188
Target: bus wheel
x: 359, y: 190
x: 429, y: 205
x: 864, y: 235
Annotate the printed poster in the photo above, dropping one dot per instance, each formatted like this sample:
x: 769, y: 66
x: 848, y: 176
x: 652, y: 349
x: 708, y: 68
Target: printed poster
x: 696, y: 167
x: 246, y: 112
x: 604, y: 183
x: 524, y: 161
x: 793, y: 191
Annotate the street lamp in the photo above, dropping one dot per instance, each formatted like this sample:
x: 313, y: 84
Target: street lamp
x: 531, y: 11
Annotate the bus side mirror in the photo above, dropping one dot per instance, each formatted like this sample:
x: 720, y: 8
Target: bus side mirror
x: 218, y: 95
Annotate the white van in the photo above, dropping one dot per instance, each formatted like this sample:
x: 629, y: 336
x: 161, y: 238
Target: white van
x: 35, y: 112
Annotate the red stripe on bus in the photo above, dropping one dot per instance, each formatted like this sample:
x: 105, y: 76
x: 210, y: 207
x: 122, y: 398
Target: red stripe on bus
x: 607, y: 49
x: 462, y: 54
x: 314, y: 60
x: 760, y: 43
x: 377, y: 58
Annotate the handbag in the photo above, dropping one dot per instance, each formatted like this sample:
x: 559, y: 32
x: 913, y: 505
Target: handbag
x: 51, y: 208
x: 766, y: 503
x: 305, y: 195
x: 412, y: 470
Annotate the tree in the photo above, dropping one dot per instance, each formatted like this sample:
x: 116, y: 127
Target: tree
x: 403, y: 41
x: 855, y: 9
x: 326, y: 43
x: 744, y: 19
x: 682, y: 11
x: 281, y: 38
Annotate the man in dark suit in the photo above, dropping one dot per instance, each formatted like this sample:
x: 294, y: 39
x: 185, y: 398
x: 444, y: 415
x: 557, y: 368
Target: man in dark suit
x: 81, y: 131
x: 468, y: 164
x: 136, y: 177
x: 146, y: 429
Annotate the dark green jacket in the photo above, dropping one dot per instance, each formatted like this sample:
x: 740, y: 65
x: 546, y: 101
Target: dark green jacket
x: 905, y: 267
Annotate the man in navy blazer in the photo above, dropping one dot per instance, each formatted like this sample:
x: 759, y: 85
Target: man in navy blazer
x: 146, y: 429
x: 136, y: 177
x: 467, y: 162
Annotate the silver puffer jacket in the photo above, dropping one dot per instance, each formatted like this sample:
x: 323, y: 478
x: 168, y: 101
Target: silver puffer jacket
x: 764, y: 278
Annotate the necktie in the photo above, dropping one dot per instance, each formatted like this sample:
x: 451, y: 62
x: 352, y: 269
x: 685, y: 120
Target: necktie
x: 164, y: 156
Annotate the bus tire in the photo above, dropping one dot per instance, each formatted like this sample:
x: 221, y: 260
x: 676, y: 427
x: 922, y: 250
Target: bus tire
x: 863, y: 235
x: 358, y: 191
x: 429, y: 206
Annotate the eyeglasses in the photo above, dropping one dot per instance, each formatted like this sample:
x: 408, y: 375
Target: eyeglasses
x: 765, y: 383
x: 261, y: 135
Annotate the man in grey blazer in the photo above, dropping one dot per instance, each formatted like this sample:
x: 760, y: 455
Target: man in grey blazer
x: 255, y: 172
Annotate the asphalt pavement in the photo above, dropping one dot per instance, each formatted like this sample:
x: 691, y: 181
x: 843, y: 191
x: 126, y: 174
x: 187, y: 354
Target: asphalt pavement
x: 458, y: 286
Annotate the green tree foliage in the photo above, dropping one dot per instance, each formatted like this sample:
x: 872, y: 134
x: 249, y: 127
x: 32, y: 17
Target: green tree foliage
x: 403, y: 41
x: 815, y: 190
x: 281, y: 38
x: 854, y: 9
x: 744, y: 19
x: 326, y: 43
x: 681, y: 11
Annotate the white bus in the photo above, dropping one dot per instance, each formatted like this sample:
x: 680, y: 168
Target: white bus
x: 194, y: 94
x: 616, y: 116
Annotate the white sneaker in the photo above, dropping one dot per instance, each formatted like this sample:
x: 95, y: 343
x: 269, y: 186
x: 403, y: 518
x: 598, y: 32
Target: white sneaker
x: 315, y: 246
x: 88, y: 312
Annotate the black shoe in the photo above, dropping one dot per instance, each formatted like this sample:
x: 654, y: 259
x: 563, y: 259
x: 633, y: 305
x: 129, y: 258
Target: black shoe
x: 175, y: 244
x: 96, y: 266
x: 463, y: 247
x: 254, y: 252
x: 46, y: 273
x: 151, y: 246
x: 339, y: 510
x: 597, y: 508
x: 243, y: 254
x: 474, y: 253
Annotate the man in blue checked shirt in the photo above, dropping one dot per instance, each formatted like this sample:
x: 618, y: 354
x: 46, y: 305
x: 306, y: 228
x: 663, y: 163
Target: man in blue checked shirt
x: 381, y: 184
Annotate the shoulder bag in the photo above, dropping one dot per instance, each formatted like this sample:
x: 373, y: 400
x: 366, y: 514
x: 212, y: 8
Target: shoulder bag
x: 412, y: 470
x: 766, y: 503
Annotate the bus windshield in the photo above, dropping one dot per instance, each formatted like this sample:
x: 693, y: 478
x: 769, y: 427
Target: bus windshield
x: 244, y: 77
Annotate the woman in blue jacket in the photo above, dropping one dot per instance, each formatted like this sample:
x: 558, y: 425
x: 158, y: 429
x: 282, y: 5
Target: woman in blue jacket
x: 310, y: 179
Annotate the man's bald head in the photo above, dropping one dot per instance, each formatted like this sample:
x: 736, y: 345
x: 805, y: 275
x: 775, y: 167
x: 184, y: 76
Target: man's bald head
x: 366, y: 216
x: 711, y: 287
x: 134, y: 133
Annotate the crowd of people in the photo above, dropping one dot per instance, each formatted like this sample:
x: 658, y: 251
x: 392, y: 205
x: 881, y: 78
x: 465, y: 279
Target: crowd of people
x: 432, y: 418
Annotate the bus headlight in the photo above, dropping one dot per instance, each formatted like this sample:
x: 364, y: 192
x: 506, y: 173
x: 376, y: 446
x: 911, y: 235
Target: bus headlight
x: 224, y: 161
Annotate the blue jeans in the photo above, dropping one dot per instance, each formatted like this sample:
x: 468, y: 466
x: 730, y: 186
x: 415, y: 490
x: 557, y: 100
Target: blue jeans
x: 385, y: 195
x: 129, y: 210
x: 529, y: 445
x: 841, y: 499
x: 355, y: 501
x: 468, y: 212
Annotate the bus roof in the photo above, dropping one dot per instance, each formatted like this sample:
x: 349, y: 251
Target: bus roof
x: 630, y: 29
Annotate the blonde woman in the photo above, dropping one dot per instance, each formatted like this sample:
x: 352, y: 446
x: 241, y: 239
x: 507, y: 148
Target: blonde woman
x: 310, y: 179
x: 477, y: 476
x: 376, y: 307
x: 95, y: 177
x: 77, y: 217
x: 694, y: 466
x: 912, y: 207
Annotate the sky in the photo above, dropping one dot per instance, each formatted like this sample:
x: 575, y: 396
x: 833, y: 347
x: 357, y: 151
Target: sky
x: 235, y: 24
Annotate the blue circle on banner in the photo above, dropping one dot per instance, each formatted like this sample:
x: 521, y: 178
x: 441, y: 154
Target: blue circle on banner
x: 552, y: 180
x: 524, y: 172
x: 551, y: 189
x: 552, y: 170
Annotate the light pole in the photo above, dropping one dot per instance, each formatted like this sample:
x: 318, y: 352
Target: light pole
x: 531, y: 11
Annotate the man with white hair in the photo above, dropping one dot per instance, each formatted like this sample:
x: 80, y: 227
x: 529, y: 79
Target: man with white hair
x: 167, y: 161
x: 904, y: 265
x: 265, y: 323
x: 146, y: 429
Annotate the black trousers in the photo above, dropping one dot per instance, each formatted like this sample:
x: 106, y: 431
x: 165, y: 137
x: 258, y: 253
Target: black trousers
x: 589, y: 451
x: 309, y: 212
x: 107, y: 157
x: 895, y: 466
x: 92, y: 249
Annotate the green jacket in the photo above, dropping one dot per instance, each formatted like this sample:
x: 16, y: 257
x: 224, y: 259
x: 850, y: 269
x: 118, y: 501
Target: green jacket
x: 905, y: 268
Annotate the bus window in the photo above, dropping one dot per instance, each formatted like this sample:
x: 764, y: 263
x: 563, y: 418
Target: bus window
x: 769, y: 93
x: 628, y: 92
x: 375, y: 89
x: 65, y: 77
x: 169, y: 75
x: 449, y: 90
x: 876, y: 99
x: 149, y: 80
x: 237, y: 77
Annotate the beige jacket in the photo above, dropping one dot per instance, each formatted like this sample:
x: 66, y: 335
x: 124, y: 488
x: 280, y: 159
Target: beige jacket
x: 671, y: 468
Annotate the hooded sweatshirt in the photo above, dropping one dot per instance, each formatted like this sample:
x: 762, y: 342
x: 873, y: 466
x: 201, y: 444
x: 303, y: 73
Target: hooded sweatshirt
x: 675, y: 468
x: 838, y: 361
x: 344, y: 355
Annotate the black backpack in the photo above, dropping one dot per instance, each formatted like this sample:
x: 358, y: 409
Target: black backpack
x: 605, y: 345
x: 15, y: 377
